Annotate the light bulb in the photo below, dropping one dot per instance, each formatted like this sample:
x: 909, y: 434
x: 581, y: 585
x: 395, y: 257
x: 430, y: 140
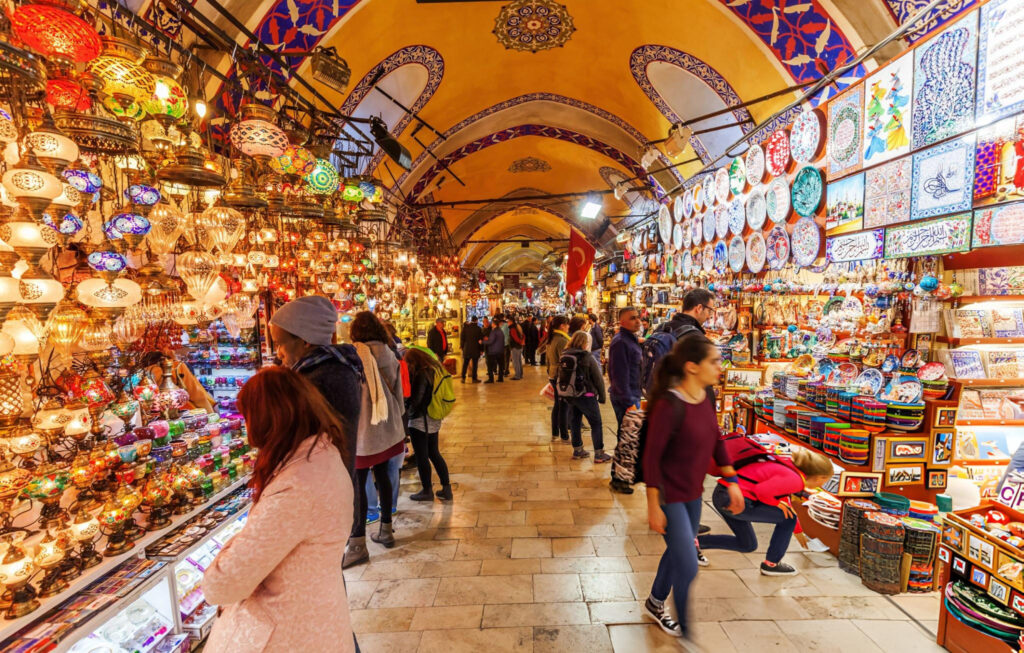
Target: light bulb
x: 200, y: 109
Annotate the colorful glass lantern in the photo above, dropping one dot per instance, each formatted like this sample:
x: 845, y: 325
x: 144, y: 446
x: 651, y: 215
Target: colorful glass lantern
x: 26, y: 331
x: 132, y: 227
x: 31, y: 186
x: 108, y: 264
x: 109, y: 298
x: 65, y: 326
x: 56, y: 34
x: 67, y: 226
x: 169, y: 102
x: 133, y: 111
x: 66, y: 95
x: 323, y: 180
x: 224, y: 226
x: 166, y: 224
x: 142, y: 194
x: 294, y: 160
x: 123, y: 78
x: 82, y: 180
x: 259, y: 139
x: 52, y: 148
x: 352, y: 192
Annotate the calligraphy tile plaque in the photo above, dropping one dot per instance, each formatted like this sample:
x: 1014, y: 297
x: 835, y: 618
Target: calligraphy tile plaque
x: 942, y: 236
x: 943, y: 179
x: 1000, y: 60
x: 862, y: 246
x: 944, y: 75
x: 999, y: 225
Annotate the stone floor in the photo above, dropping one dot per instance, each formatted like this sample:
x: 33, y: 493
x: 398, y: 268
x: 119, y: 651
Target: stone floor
x: 536, y: 554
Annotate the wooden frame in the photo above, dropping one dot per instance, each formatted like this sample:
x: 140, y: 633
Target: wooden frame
x: 878, y: 455
x: 998, y: 590
x: 953, y: 537
x: 739, y: 378
x: 897, y: 475
x: 907, y: 450
x: 859, y: 484
x: 981, y: 551
x: 945, y: 417
x: 937, y: 479
x: 1009, y: 569
x: 942, y: 447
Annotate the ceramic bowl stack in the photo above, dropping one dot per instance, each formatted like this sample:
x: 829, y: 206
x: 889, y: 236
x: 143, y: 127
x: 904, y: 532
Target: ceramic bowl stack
x: 804, y: 419
x: 933, y: 379
x: 833, y: 434
x: 904, y: 416
x: 923, y: 510
x: 825, y: 509
x: 791, y: 387
x: 854, y: 446
x: 845, y: 407
x: 816, y: 436
x: 791, y: 415
x: 920, y: 540
x: 779, y: 412
x: 894, y: 504
x: 816, y: 394
x: 868, y: 411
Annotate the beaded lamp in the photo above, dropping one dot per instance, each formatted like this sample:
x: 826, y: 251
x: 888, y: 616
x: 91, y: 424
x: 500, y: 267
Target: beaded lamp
x: 259, y: 139
x: 56, y: 34
x: 323, y: 180
x: 169, y: 102
x: 66, y: 95
x: 124, y: 79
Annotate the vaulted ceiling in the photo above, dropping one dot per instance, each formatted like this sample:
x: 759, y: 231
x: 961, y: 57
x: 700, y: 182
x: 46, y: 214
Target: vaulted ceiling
x: 515, y: 122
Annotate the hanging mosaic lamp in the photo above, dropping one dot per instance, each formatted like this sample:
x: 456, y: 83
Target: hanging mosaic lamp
x: 30, y: 240
x: 142, y: 195
x: 124, y: 79
x: 132, y: 227
x: 58, y: 35
x: 31, y: 185
x: 66, y: 227
x: 52, y: 147
x: 323, y: 180
x: 294, y: 160
x: 133, y: 112
x: 66, y: 95
x: 108, y: 299
x: 169, y: 102
x: 108, y: 265
x: 352, y: 191
x: 66, y: 325
x: 83, y: 180
x: 40, y: 292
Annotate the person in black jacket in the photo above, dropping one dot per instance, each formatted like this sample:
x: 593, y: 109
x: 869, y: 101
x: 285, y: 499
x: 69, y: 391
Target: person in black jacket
x: 437, y: 339
x: 469, y: 342
x: 424, y: 430
x: 698, y: 308
x: 494, y: 347
x: 532, y: 340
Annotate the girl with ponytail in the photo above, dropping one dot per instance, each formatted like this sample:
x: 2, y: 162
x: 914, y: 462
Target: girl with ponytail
x: 682, y: 438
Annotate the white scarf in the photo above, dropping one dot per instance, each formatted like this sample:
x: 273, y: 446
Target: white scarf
x: 378, y: 400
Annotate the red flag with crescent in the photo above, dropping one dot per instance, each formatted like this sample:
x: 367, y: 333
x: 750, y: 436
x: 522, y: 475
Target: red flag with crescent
x: 580, y: 259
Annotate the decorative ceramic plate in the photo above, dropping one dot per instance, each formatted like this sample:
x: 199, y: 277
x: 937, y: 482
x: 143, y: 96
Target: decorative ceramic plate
x: 910, y: 359
x: 698, y: 259
x: 869, y: 382
x: 722, y: 221
x: 805, y: 242
x: 778, y: 247
x: 721, y: 260
x: 776, y: 153
x: 808, y: 187
x: 754, y: 161
x: 709, y: 225
x: 687, y: 265
x: 847, y: 372
x: 737, y: 176
x: 697, y: 230
x: 737, y: 254
x: 932, y: 372
x: 757, y: 211
x: 687, y: 237
x: 709, y: 191
x: 677, y: 210
x: 906, y: 389
x: 737, y: 216
x: 670, y: 265
x: 697, y: 193
x: 722, y: 183
x: 805, y: 136
x: 677, y: 236
x: 756, y: 252
x: 776, y: 200
x: 708, y: 257
x: 890, y: 364
x: 665, y: 223
x: 687, y: 204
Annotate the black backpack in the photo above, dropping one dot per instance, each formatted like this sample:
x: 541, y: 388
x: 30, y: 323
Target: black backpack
x: 571, y: 380
x: 657, y: 346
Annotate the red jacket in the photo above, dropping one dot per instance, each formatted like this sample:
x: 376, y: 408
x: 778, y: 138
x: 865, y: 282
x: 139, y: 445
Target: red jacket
x: 770, y: 482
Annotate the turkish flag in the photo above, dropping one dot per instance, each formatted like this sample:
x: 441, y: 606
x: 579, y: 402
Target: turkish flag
x: 577, y: 266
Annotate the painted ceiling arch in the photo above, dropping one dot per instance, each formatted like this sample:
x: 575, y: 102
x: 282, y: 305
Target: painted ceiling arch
x: 475, y: 252
x: 471, y: 227
x: 510, y: 257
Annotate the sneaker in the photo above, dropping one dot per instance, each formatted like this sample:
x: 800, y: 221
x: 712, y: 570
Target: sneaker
x: 602, y: 458
x: 702, y: 559
x: 704, y: 528
x: 372, y: 515
x: 777, y: 569
x: 663, y: 618
x: 554, y: 438
x: 580, y: 454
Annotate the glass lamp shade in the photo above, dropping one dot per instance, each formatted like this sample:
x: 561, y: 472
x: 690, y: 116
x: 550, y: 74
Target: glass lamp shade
x: 142, y: 195
x: 258, y: 138
x: 53, y: 149
x: 26, y: 331
x: 66, y: 324
x: 47, y: 485
x: 68, y: 199
x: 107, y: 264
x: 168, y: 101
x: 55, y: 33
x: 96, y: 392
x: 127, y: 329
x: 113, y: 514
x: 16, y: 568
x: 67, y: 226
x: 166, y: 224
x: 323, y: 179
x: 294, y: 160
x: 223, y: 225
x: 52, y: 417
x: 256, y: 258
x: 80, y: 423
x: 109, y: 299
x: 352, y: 191
x: 29, y: 239
x: 96, y: 336
x: 66, y: 95
x: 31, y: 186
x: 273, y: 261
x: 12, y: 400
x: 85, y: 527
x: 25, y: 442
x: 8, y: 130
x: 82, y: 180
x: 39, y: 291
x: 198, y: 270
x: 123, y: 78
x: 187, y: 312
x: 132, y: 111
x: 10, y: 294
x: 132, y: 227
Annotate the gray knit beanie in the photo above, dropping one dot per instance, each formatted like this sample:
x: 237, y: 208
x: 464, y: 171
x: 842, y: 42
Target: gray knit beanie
x: 311, y: 318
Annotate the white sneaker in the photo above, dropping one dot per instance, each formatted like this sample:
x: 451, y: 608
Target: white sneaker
x: 702, y: 559
x: 663, y: 618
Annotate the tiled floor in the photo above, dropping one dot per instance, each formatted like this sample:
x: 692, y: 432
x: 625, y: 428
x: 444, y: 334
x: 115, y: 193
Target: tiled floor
x: 536, y: 554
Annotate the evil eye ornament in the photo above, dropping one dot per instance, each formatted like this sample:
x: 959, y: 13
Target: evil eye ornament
x: 929, y: 283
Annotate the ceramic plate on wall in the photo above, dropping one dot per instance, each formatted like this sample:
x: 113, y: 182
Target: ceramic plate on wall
x: 709, y: 191
x: 776, y: 153
x: 756, y: 209
x: 687, y: 264
x: 722, y: 183
x: 737, y: 176
x: 708, y: 257
x: 756, y: 252
x: 806, y: 136
x: 722, y: 221
x: 709, y: 225
x: 737, y: 216
x: 777, y: 246
x: 721, y: 261
x: 687, y: 226
x: 697, y: 195
x: 805, y: 242
x: 677, y: 210
x: 776, y: 199
x: 677, y: 236
x: 665, y: 223
x: 808, y: 189
x: 754, y: 162
x: 737, y: 254
x: 687, y: 204
x: 697, y: 230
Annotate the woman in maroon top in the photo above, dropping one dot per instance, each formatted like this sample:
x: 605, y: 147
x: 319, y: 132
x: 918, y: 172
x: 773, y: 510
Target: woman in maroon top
x: 682, y: 438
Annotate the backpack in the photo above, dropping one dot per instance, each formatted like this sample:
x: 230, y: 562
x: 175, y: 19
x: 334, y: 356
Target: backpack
x: 657, y: 346
x: 744, y: 451
x: 442, y: 399
x: 571, y: 381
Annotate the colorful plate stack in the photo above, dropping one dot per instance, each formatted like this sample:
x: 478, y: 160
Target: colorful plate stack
x: 791, y: 413
x: 845, y: 405
x: 769, y: 408
x: 855, y: 446
x: 804, y: 419
x: 850, y: 532
x: 825, y: 508
x: 920, y: 539
x: 801, y: 390
x: 868, y: 411
x: 934, y: 389
x: 903, y: 417
x: 893, y: 504
x: 833, y: 434
x: 882, y: 552
x: 923, y: 510
x: 779, y: 412
x: 814, y: 388
x: 817, y: 433
x: 974, y: 608
x: 832, y: 398
x: 792, y: 387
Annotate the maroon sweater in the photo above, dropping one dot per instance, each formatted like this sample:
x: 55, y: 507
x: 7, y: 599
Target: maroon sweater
x: 681, y: 440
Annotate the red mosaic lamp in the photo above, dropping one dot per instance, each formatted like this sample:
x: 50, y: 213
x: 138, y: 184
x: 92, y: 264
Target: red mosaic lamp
x: 59, y: 35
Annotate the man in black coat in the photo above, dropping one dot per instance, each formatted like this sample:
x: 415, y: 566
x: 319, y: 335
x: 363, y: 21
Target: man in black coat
x: 437, y: 339
x: 469, y: 342
x: 532, y: 338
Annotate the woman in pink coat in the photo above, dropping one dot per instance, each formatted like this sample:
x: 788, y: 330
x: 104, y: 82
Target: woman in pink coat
x: 279, y: 580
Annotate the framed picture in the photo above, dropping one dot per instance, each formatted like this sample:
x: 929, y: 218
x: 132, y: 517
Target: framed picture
x: 887, y: 111
x: 959, y: 565
x: 953, y: 536
x: 937, y: 479
x: 979, y: 577
x: 998, y: 591
x: 999, y: 225
x: 904, y: 475
x: 907, y: 450
x: 941, y: 236
x: 844, y: 131
x: 845, y: 205
x: 859, y: 484
x: 743, y: 378
x: 943, y: 179
x: 944, y: 554
x: 945, y: 416
x: 995, y: 175
x: 878, y: 457
x: 862, y: 246
x: 942, y: 448
x: 1009, y: 569
x: 1017, y: 603
x: 944, y: 74
x: 887, y: 193
x: 999, y: 60
x: 980, y: 550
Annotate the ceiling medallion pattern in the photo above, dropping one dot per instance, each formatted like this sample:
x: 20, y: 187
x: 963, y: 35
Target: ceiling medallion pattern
x: 529, y: 164
x: 533, y: 25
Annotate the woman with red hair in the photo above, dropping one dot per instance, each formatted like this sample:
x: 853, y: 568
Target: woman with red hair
x: 279, y: 579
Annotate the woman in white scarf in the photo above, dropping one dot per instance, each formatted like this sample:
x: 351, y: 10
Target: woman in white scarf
x: 381, y: 434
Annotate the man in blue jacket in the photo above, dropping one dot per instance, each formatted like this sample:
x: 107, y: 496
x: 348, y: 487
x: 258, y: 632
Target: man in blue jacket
x: 624, y: 359
x: 494, y: 347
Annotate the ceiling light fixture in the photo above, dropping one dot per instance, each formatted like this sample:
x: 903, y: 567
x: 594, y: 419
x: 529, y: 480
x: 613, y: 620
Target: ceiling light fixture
x: 395, y: 150
x: 591, y: 207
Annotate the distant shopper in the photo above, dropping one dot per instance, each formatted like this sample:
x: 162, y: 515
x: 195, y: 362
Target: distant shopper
x: 543, y: 337
x: 292, y: 544
x: 494, y: 348
x: 515, y: 331
x: 424, y: 430
x: 557, y: 341
x: 437, y: 339
x: 506, y: 357
x: 532, y: 340
x: 469, y: 342
x: 596, y: 337
x: 585, y: 392
x: 682, y: 438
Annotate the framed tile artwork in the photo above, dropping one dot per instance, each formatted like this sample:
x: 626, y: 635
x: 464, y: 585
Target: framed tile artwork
x: 943, y: 179
x: 844, y: 131
x: 999, y: 162
x: 941, y: 236
x: 945, y: 68
x: 845, y: 205
x: 1000, y: 58
x: 862, y: 246
x: 888, y: 111
x: 887, y: 193
x: 999, y: 225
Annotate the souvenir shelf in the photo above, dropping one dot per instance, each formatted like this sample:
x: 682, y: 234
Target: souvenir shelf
x: 223, y: 363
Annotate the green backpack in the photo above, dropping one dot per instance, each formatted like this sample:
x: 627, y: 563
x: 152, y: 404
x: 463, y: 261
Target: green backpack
x: 442, y: 399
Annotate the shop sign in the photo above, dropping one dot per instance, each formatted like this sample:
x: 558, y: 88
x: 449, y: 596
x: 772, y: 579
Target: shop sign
x: 999, y: 225
x: 510, y: 282
x: 942, y: 236
x: 862, y: 246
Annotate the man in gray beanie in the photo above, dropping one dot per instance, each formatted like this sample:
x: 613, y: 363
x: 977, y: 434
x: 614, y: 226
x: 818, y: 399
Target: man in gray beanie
x: 303, y: 332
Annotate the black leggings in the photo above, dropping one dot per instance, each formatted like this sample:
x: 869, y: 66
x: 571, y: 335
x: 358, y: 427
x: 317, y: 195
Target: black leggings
x: 383, y: 483
x: 427, y: 451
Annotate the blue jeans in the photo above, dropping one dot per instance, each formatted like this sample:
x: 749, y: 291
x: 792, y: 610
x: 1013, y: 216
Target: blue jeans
x: 588, y: 407
x: 743, y: 539
x: 678, y: 566
x: 394, y: 471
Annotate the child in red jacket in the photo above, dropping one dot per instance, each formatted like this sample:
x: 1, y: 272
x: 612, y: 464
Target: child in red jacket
x: 767, y: 486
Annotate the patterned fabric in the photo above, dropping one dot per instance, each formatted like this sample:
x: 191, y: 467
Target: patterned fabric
x: 901, y: 10
x: 626, y: 461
